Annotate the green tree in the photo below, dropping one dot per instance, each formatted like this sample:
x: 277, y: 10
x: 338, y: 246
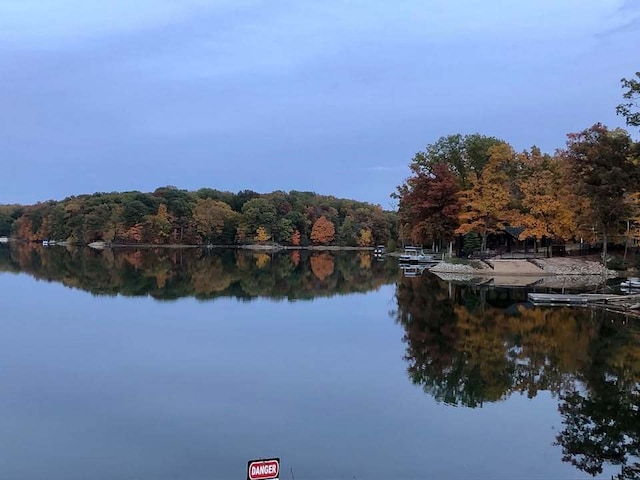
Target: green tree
x: 210, y: 217
x: 630, y: 109
x: 472, y: 243
x: 258, y: 212
x: 347, y: 234
x: 465, y: 156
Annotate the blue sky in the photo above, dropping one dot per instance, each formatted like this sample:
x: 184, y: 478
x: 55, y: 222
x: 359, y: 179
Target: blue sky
x: 330, y: 96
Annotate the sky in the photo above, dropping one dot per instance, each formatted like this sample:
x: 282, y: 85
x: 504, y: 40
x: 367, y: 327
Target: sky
x: 331, y: 96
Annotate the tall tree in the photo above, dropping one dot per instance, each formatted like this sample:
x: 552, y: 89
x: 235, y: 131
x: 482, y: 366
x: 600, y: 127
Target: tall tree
x: 323, y: 231
x: 548, y: 205
x: 465, y: 156
x: 485, y: 206
x: 210, y: 216
x: 604, y: 172
x: 429, y: 204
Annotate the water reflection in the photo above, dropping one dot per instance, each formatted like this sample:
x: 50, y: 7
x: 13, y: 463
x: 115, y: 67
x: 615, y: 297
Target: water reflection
x: 169, y: 274
x: 466, y: 346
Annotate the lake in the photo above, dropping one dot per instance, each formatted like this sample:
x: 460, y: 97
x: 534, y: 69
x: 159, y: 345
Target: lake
x: 185, y: 364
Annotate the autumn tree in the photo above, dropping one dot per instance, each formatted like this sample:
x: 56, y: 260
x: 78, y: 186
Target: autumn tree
x: 604, y: 172
x: 485, y: 206
x: 180, y: 204
x: 323, y: 231
x: 465, y: 156
x: 262, y: 235
x: 210, y: 217
x: 429, y: 204
x: 295, y: 238
x: 159, y: 226
x: 365, y: 238
x: 549, y: 205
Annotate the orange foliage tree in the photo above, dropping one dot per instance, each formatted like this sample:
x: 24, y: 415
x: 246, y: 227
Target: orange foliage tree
x: 295, y: 238
x: 323, y: 231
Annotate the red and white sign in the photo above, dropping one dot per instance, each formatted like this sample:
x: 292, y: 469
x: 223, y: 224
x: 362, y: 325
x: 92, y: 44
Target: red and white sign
x: 268, y: 469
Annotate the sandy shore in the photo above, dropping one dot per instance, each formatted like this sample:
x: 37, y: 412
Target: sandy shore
x: 548, y: 272
x: 538, y: 267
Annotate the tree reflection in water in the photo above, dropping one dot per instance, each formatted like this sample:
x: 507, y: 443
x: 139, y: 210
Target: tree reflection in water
x: 168, y: 274
x: 466, y: 346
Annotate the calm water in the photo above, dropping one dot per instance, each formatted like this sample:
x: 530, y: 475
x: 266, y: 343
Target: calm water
x: 186, y: 364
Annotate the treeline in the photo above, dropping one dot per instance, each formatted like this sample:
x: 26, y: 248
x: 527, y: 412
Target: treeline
x: 476, y: 185
x: 207, y: 216
x: 168, y: 274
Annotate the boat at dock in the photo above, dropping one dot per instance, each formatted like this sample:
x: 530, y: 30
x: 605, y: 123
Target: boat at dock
x: 631, y: 283
x: 417, y: 255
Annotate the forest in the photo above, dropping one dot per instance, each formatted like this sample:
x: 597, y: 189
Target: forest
x: 476, y: 185
x: 205, y: 217
x: 460, y: 187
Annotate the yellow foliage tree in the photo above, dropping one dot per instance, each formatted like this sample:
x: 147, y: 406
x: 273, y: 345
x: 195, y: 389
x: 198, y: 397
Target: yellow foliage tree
x: 209, y: 217
x: 485, y: 206
x: 262, y: 235
x: 365, y: 238
x: 159, y: 226
x: 549, y: 205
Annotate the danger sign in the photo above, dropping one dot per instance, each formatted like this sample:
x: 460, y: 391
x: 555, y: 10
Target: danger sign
x: 267, y: 469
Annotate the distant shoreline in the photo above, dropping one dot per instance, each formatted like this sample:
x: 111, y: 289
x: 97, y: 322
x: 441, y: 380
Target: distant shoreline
x: 257, y: 247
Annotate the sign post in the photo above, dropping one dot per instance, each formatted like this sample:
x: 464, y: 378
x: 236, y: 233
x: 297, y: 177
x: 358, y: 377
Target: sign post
x: 263, y: 469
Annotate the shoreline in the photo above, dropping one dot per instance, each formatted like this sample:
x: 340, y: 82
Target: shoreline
x: 99, y: 245
x: 539, y: 267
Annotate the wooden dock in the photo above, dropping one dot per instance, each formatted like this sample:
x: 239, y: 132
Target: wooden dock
x: 627, y: 304
x: 564, y: 299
